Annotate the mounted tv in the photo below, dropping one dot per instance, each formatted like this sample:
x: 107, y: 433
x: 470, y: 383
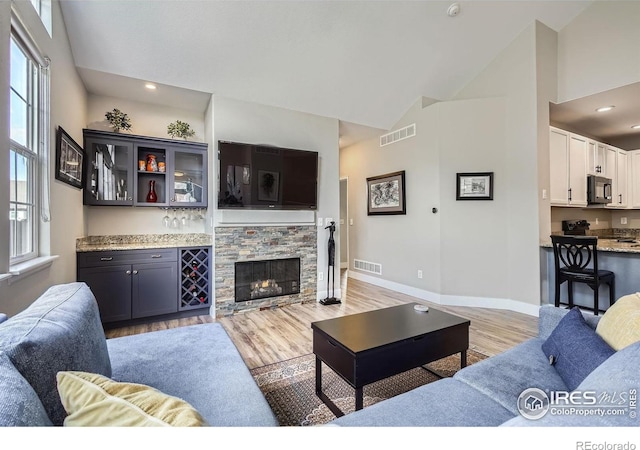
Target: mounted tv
x: 266, y: 177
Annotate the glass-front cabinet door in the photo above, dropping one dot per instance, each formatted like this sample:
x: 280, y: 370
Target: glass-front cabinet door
x: 108, y: 176
x: 188, y: 178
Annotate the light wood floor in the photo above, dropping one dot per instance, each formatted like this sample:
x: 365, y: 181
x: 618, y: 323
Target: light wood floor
x: 269, y: 336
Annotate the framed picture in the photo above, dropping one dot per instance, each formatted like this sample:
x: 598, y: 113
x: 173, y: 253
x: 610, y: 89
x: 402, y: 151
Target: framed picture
x: 268, y: 185
x: 386, y: 194
x: 474, y: 186
x: 69, y: 160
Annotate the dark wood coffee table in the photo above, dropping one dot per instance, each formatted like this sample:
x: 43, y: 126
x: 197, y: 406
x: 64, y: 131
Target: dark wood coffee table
x: 368, y: 347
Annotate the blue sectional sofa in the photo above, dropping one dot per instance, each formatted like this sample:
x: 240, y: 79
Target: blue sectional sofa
x: 486, y: 393
x: 61, y: 331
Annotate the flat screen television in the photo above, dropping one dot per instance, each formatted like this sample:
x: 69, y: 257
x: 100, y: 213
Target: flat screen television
x: 266, y: 177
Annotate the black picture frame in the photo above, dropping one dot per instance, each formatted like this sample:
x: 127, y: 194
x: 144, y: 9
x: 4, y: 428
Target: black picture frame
x: 386, y: 194
x: 69, y: 160
x: 474, y: 186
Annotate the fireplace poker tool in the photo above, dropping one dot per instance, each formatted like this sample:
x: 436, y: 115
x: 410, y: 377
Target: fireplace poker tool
x: 331, y: 300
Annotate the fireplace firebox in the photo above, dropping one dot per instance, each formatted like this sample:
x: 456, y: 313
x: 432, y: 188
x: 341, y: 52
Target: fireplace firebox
x: 266, y: 278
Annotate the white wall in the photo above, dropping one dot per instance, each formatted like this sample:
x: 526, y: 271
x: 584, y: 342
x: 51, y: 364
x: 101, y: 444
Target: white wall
x: 402, y: 244
x: 258, y: 124
x: 147, y: 120
x: 483, y: 253
x: 598, y: 50
x: 68, y: 110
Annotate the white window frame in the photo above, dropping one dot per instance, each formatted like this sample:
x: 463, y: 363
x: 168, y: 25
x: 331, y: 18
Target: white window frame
x: 37, y: 135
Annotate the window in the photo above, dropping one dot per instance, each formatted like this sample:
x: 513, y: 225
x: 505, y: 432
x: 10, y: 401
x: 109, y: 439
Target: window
x: 43, y: 8
x: 27, y: 95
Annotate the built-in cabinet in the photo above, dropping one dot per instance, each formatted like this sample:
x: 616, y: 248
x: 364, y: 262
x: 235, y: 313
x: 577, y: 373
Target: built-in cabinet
x: 137, y: 284
x: 122, y: 170
x: 568, y: 164
x: 574, y: 157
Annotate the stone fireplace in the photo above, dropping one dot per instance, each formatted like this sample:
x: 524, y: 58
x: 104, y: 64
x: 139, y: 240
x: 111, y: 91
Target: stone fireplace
x: 278, y: 266
x: 266, y: 278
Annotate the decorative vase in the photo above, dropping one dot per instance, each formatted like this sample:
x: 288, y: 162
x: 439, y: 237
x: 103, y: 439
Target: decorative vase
x: 151, y: 196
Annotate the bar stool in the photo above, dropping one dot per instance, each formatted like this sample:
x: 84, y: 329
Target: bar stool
x: 576, y: 261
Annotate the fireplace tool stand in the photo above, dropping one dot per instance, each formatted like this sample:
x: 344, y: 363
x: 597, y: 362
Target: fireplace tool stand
x: 331, y: 269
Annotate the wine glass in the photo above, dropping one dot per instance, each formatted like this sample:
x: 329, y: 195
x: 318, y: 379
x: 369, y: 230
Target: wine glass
x: 184, y: 217
x: 175, y: 222
x: 166, y: 220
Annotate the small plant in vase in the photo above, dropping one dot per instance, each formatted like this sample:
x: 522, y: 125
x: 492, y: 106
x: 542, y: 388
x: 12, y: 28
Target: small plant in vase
x: 118, y: 120
x: 180, y: 129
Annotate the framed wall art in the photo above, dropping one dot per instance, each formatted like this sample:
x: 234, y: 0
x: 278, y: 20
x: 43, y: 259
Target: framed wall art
x: 69, y: 159
x: 474, y: 186
x: 386, y: 194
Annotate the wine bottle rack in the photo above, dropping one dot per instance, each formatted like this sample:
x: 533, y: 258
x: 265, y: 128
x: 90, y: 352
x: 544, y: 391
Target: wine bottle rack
x: 195, y: 275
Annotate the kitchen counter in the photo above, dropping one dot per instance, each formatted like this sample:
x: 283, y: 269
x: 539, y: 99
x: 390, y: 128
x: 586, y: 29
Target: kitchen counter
x: 610, y: 245
x: 622, y: 258
x: 142, y: 241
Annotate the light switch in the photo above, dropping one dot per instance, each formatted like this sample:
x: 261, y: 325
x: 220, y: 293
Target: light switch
x: 319, y: 221
x: 351, y: 222
x: 341, y: 221
x: 328, y: 221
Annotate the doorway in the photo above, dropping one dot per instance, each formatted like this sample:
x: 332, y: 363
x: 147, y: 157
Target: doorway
x: 344, y: 224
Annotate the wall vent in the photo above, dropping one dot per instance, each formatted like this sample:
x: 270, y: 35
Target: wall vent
x: 398, y: 135
x: 367, y: 266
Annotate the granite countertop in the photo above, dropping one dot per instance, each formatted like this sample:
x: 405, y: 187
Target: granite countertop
x: 610, y: 245
x: 141, y: 241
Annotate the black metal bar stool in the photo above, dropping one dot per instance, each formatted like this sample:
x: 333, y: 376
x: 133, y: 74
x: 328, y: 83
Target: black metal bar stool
x: 576, y: 261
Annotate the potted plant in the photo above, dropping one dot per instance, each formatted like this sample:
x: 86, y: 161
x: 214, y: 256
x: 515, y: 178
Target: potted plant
x: 118, y: 120
x: 180, y: 129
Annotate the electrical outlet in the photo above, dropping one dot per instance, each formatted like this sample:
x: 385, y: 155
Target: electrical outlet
x: 597, y: 221
x: 320, y: 276
x: 419, y: 273
x: 623, y: 220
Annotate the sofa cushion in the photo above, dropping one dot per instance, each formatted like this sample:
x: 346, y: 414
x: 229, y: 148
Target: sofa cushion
x: 444, y: 403
x: 550, y: 316
x: 60, y: 331
x: 199, y: 364
x: 620, y: 324
x: 618, y: 378
x: 92, y: 400
x: 503, y: 377
x: 19, y: 403
x: 574, y: 349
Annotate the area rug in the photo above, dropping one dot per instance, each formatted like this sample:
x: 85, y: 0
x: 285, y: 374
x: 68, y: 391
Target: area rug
x: 289, y: 387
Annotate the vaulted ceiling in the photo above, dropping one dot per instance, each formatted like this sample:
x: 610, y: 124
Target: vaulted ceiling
x: 362, y: 62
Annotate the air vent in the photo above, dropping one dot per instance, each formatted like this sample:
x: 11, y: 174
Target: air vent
x: 367, y: 266
x: 398, y: 135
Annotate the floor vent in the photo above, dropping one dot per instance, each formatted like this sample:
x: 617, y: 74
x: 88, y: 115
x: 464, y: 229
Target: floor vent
x: 398, y: 135
x: 367, y: 266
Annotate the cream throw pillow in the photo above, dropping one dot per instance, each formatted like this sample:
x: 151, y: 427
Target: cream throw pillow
x: 620, y: 324
x: 94, y: 400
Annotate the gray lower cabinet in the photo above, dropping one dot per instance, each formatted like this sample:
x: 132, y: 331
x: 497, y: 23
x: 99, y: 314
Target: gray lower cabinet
x: 131, y: 284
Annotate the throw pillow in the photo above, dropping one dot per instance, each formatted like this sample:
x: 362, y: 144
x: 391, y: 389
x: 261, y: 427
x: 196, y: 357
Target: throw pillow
x: 620, y: 324
x: 574, y: 349
x: 94, y: 400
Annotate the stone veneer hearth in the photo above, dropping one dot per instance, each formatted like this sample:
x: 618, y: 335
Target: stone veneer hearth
x: 250, y: 243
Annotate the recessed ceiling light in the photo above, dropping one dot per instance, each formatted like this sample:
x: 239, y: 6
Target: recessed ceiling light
x: 150, y: 86
x: 605, y: 108
x: 636, y: 127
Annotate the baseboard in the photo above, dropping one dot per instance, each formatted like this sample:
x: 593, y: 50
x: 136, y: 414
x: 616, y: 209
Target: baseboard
x: 324, y: 294
x: 449, y: 300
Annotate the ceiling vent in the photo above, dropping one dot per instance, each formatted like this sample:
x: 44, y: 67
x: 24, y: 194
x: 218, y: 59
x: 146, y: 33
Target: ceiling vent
x: 398, y: 135
x: 367, y: 266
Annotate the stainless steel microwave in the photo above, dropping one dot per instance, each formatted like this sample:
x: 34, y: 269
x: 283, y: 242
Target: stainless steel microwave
x: 599, y: 190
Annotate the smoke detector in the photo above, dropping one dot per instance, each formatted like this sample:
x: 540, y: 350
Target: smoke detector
x: 453, y: 10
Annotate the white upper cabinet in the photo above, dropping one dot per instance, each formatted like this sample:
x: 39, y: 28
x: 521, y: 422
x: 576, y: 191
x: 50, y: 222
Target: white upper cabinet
x: 618, y: 168
x: 568, y: 165
x: 634, y: 178
x: 596, y: 154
